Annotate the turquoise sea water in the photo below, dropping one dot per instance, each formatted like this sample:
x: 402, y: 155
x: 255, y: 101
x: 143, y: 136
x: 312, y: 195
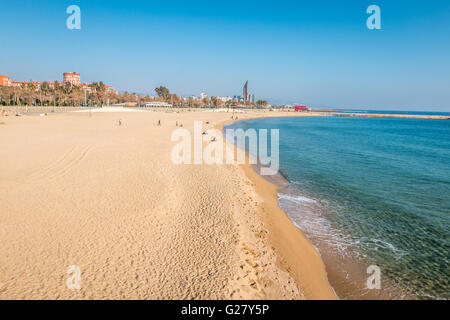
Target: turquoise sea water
x: 424, y: 113
x: 370, y: 191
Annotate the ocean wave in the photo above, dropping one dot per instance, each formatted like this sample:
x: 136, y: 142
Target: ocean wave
x: 313, y: 223
x: 306, y: 215
x: 377, y: 244
x: 296, y: 198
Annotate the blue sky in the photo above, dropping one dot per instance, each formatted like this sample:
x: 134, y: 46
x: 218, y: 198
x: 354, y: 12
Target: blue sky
x: 315, y: 52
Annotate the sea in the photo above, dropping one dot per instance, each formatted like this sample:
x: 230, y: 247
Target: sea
x: 372, y: 195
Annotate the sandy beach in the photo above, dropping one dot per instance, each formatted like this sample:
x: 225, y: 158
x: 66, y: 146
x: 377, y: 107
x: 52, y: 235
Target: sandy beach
x: 80, y: 189
x: 224, y: 159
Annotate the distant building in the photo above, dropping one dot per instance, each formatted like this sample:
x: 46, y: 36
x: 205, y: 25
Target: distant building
x: 73, y: 78
x: 224, y: 99
x: 301, y: 109
x: 16, y: 84
x: 86, y: 87
x: 50, y: 84
x: 110, y: 89
x: 5, y: 81
x: 245, y: 92
x: 158, y: 104
x: 238, y: 99
x: 36, y: 84
x: 203, y: 96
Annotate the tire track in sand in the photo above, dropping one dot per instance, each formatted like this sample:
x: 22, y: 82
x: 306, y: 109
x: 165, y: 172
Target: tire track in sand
x: 61, y: 166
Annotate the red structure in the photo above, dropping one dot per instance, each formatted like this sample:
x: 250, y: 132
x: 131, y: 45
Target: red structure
x: 301, y: 109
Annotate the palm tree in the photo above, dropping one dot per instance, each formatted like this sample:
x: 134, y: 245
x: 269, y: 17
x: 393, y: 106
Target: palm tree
x: 6, y: 95
x: 30, y: 93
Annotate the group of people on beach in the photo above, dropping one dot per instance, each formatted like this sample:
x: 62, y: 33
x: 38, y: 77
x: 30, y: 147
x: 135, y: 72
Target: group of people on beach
x: 213, y: 139
x: 158, y: 124
x: 176, y: 124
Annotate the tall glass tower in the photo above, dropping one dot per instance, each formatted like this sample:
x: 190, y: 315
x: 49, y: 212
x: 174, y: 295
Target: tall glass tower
x: 246, y: 92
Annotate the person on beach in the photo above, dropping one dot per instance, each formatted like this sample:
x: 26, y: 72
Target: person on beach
x: 176, y: 123
x: 120, y: 122
x: 159, y: 123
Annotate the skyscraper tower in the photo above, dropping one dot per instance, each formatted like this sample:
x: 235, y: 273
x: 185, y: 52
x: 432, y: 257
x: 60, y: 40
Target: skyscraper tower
x: 246, y: 92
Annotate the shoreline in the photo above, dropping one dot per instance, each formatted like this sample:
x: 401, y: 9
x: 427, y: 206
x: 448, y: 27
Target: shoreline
x: 348, y: 284
x: 52, y: 109
x: 346, y: 273
x: 295, y: 253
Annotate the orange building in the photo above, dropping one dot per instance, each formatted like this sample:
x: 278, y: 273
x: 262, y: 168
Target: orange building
x: 36, y: 84
x: 5, y: 81
x: 86, y: 87
x: 72, y: 77
x: 110, y: 89
x: 16, y: 84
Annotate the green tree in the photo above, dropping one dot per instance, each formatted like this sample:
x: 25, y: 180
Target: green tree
x: 214, y: 101
x: 163, y: 92
x: 261, y: 103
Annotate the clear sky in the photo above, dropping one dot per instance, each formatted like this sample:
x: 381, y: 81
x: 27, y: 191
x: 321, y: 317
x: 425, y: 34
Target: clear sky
x: 315, y: 52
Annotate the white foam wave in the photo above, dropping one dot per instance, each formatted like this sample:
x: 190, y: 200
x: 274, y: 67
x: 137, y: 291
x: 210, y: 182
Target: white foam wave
x: 296, y: 199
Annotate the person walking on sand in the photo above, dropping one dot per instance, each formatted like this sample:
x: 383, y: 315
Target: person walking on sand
x: 159, y: 123
x: 120, y: 122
